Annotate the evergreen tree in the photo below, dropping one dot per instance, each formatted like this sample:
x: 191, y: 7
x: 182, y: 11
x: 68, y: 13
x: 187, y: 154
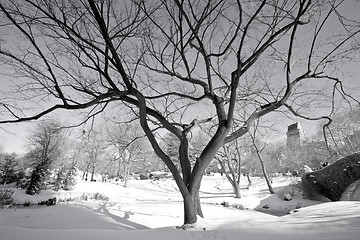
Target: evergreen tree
x: 60, y: 178
x: 70, y: 178
x: 37, y: 178
x: 9, y: 169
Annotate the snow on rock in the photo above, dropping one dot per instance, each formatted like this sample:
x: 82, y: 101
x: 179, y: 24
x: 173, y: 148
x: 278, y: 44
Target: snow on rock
x: 288, y: 197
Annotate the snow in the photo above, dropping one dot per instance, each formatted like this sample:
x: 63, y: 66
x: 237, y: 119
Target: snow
x: 150, y: 210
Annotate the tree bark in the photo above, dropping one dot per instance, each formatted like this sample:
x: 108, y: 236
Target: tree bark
x: 190, y: 211
x: 92, y: 173
x: 236, y: 188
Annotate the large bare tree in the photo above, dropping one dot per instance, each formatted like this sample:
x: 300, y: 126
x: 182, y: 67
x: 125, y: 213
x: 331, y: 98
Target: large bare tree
x: 177, y: 64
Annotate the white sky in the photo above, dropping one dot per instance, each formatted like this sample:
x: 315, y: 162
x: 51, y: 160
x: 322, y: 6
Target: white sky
x: 13, y: 136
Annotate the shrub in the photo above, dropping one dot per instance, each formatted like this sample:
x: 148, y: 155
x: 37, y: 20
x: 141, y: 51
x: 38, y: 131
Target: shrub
x: 95, y: 196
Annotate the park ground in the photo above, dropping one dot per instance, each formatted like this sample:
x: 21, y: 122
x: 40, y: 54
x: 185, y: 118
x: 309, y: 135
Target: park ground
x: 150, y: 210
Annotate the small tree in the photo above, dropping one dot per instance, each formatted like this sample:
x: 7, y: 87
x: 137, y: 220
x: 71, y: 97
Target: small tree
x: 127, y: 142
x: 230, y: 160
x: 258, y: 147
x: 45, y: 144
x: 59, y: 178
x: 93, y: 152
x: 70, y: 177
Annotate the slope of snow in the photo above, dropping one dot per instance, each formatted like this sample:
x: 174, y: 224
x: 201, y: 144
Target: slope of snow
x: 150, y: 210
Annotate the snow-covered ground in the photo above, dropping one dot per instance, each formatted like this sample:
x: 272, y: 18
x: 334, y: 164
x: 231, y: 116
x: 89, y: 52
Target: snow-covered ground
x: 151, y: 209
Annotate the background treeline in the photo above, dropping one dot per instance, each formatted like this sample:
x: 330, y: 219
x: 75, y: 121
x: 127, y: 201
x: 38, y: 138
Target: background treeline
x: 117, y: 151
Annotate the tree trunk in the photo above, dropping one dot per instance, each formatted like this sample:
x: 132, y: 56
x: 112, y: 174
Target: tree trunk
x: 126, y: 173
x: 92, y: 173
x: 190, y: 193
x: 192, y: 207
x: 249, y: 180
x: 85, y: 174
x: 236, y: 187
x: 271, y: 190
x: 190, y: 211
x: 118, y: 175
x: 197, y: 204
x: 268, y: 182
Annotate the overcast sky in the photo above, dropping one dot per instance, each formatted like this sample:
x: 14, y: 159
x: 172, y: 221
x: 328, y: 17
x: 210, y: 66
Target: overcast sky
x: 13, y: 136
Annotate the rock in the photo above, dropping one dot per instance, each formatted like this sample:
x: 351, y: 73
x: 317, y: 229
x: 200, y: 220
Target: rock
x: 352, y: 192
x: 51, y: 201
x: 287, y: 197
x: 332, y: 181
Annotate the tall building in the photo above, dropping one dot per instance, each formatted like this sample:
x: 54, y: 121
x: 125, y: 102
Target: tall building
x: 294, y: 135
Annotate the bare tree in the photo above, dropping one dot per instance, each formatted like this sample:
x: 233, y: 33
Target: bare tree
x: 177, y: 64
x: 345, y: 132
x: 94, y: 147
x: 230, y: 160
x: 45, y: 145
x: 258, y: 147
x: 127, y: 141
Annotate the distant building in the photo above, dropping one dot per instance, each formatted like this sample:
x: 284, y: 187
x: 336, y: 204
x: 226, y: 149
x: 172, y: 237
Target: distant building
x: 295, y: 135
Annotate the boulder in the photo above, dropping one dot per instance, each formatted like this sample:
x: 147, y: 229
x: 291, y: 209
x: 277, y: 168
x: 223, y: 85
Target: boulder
x: 287, y: 197
x: 49, y: 202
x: 332, y: 180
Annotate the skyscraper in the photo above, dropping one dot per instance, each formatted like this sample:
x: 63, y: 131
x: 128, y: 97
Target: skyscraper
x: 294, y: 135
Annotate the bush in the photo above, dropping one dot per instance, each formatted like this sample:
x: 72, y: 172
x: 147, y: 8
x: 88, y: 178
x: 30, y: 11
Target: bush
x: 94, y: 196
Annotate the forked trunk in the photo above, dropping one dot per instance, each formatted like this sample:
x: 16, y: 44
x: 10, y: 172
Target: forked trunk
x: 192, y: 199
x: 192, y: 206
